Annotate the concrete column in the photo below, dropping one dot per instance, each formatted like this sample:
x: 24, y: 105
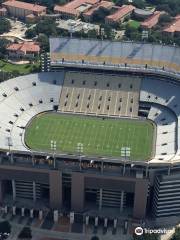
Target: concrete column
x: 77, y: 192
x: 115, y: 223
x: 34, y: 191
x: 54, y: 161
x: 55, y: 187
x: 55, y: 216
x: 124, y: 169
x: 1, y: 191
x: 33, y: 160
x: 105, y: 222
x: 40, y: 214
x: 31, y: 213
x: 141, y: 189
x: 6, y: 209
x: 12, y: 159
x: 96, y: 221
x: 22, y: 212
x: 122, y: 201
x: 14, y: 210
x: 87, y: 220
x: 71, y: 217
x: 102, y: 166
x: 14, y: 189
x: 100, y: 198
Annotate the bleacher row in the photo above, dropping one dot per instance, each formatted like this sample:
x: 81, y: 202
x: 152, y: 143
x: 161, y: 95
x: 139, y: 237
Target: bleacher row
x: 21, y: 99
x: 165, y: 112
x: 87, y: 93
x: 24, y: 97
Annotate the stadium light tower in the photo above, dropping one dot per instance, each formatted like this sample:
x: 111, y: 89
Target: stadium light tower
x: 80, y: 151
x: 125, y: 153
x: 53, y: 148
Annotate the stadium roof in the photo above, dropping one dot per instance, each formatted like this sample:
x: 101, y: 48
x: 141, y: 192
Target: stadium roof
x: 112, y: 52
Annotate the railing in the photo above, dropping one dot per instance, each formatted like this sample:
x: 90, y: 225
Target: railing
x: 120, y: 67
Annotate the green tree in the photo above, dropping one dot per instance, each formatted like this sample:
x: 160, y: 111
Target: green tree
x: 5, y: 25
x: 146, y: 237
x: 121, y: 2
x: 25, y: 233
x: 132, y: 33
x: 92, y: 33
x: 100, y: 15
x: 46, y: 26
x: 164, y: 19
x: 3, y: 45
x: 176, y: 235
x: 5, y: 229
x: 43, y: 42
x: 139, y: 3
x: 30, y: 33
x: 94, y: 238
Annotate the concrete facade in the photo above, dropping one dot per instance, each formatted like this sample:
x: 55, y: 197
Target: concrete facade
x: 79, y: 182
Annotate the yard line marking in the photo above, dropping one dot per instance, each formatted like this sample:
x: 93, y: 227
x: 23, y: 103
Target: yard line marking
x: 82, y: 100
x: 116, y: 102
x: 127, y: 105
x: 94, y: 95
x: 72, y: 92
x: 63, y: 107
x: 105, y: 100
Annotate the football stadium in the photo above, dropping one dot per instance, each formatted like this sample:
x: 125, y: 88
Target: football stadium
x: 96, y: 133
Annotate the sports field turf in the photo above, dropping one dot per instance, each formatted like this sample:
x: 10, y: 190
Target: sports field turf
x: 99, y: 137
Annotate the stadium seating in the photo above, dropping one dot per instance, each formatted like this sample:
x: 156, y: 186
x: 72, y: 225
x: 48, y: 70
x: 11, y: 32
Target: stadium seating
x: 164, y: 94
x: 24, y: 97
x: 165, y: 132
x: 100, y: 94
x: 21, y: 99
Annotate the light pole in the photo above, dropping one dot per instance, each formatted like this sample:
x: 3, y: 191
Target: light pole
x: 170, y: 166
x: 10, y: 144
x: 53, y: 148
x: 147, y: 168
x: 80, y: 151
x: 125, y: 152
x: 33, y: 160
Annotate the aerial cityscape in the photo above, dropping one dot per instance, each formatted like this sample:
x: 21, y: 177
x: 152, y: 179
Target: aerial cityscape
x: 89, y: 119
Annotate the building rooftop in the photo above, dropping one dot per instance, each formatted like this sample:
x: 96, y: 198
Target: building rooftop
x: 121, y: 12
x: 24, y: 5
x: 103, y: 4
x: 31, y: 16
x: 24, y: 47
x: 73, y: 7
x: 174, y: 26
x: 152, y: 20
x: 143, y: 12
x: 3, y: 9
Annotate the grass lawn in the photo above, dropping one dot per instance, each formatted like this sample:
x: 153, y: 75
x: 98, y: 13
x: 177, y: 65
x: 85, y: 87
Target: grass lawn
x: 21, y: 68
x: 99, y: 137
x: 134, y: 24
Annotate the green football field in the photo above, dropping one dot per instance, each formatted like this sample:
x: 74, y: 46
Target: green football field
x: 99, y: 137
